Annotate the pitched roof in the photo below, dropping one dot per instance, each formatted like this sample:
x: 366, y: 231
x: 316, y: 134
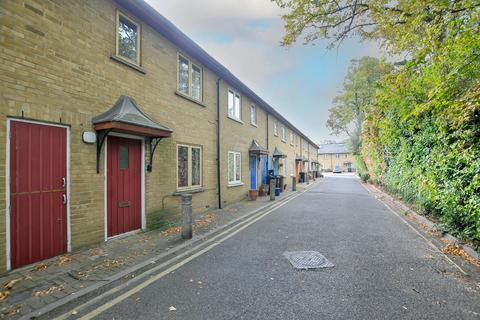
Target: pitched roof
x: 278, y: 154
x: 125, y: 110
x: 162, y: 25
x: 330, y: 148
x: 256, y: 148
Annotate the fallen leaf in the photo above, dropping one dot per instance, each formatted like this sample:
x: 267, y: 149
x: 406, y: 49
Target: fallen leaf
x: 4, y: 295
x: 10, y: 284
x: 63, y: 260
x: 74, y: 312
x: 48, y: 291
x: 172, y: 308
x: 40, y: 267
x: 458, y: 251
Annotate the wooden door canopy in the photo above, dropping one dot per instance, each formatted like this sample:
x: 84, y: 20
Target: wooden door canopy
x: 257, y: 149
x: 126, y: 117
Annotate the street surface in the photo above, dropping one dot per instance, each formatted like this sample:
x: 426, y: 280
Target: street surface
x: 383, y: 269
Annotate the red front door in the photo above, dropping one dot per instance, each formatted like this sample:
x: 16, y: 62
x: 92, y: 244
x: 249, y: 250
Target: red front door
x: 298, y: 169
x: 38, y: 210
x: 124, y: 171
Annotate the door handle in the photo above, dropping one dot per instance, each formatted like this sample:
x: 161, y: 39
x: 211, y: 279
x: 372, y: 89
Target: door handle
x: 64, y: 198
x: 63, y: 182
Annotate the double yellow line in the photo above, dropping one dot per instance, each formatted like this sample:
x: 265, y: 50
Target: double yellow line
x: 223, y: 236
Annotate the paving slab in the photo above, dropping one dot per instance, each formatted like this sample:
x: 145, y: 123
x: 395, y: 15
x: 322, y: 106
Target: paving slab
x: 50, y: 281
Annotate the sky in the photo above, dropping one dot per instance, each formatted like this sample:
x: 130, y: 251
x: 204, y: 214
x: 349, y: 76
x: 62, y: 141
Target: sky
x: 244, y: 35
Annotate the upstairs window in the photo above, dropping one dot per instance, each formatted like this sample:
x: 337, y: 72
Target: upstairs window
x: 234, y: 109
x: 253, y: 115
x: 128, y: 39
x: 337, y: 156
x: 275, y: 128
x: 189, y: 78
x: 284, y: 134
x: 291, y: 138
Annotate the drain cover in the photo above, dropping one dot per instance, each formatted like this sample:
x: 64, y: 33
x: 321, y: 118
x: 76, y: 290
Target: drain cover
x: 307, y: 260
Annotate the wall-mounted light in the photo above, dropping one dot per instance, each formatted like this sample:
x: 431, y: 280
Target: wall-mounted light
x: 89, y: 137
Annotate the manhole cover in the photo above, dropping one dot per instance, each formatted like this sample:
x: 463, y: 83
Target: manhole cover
x: 307, y: 260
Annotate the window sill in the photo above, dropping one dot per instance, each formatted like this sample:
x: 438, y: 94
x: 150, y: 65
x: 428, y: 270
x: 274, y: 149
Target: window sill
x: 284, y: 141
x: 236, y: 184
x: 184, y: 96
x: 235, y: 119
x: 254, y: 125
x: 186, y: 191
x: 128, y: 64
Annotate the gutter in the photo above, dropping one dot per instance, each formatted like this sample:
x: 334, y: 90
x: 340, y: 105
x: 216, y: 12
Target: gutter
x: 218, y: 146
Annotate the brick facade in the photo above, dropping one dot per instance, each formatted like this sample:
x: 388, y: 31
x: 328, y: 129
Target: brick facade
x: 56, y: 66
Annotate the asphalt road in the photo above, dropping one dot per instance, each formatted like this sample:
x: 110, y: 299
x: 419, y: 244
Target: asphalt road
x: 383, y: 269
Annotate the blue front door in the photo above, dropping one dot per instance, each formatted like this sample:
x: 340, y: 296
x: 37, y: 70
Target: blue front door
x: 253, y: 172
x: 263, y: 162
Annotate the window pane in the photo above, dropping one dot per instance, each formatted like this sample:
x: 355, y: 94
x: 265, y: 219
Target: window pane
x: 127, y: 39
x: 195, y: 166
x: 123, y: 157
x: 230, y: 104
x: 237, y: 106
x: 196, y: 82
x: 238, y: 163
x: 183, y: 75
x: 253, y: 115
x: 231, y: 167
x: 182, y: 166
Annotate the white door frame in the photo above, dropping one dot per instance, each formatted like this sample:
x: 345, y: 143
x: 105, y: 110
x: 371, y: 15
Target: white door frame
x: 7, y: 184
x: 142, y: 183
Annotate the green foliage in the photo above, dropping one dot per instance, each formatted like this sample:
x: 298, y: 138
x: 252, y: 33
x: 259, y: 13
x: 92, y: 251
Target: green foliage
x: 352, y: 104
x: 421, y: 139
x: 421, y: 136
x: 362, y: 170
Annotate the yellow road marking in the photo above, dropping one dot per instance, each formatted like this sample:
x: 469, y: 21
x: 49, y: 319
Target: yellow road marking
x: 146, y: 283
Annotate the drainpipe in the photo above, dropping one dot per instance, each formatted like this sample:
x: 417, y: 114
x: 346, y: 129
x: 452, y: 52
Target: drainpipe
x: 218, y: 147
x: 268, y: 147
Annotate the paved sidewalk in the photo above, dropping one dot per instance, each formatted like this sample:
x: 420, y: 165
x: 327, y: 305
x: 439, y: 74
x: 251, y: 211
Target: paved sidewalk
x: 32, y: 288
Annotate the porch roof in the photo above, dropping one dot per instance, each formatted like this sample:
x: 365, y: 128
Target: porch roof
x: 299, y: 158
x: 126, y: 116
x: 278, y: 154
x: 256, y: 148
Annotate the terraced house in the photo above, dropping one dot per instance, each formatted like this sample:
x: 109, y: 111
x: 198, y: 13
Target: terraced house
x: 108, y: 114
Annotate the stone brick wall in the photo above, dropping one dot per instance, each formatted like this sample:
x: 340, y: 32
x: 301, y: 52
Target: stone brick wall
x: 56, y: 66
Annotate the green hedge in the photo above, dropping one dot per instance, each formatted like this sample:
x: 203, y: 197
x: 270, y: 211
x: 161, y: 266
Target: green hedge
x: 421, y: 139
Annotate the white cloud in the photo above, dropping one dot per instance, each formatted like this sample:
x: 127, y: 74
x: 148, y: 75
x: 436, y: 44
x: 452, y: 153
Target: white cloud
x: 215, y: 15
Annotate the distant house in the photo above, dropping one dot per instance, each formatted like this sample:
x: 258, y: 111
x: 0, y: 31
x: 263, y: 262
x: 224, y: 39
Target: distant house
x: 332, y: 155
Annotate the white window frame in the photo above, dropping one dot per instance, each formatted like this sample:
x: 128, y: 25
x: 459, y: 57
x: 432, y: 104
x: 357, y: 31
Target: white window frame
x: 253, y: 115
x: 284, y: 134
x: 233, y: 116
x: 190, y: 77
x: 190, y: 171
x: 292, y: 138
x: 235, y: 181
x: 117, y: 38
x: 275, y: 128
x: 337, y: 156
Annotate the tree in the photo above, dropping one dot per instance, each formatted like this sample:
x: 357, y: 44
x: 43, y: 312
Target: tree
x: 403, y: 26
x: 352, y: 104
